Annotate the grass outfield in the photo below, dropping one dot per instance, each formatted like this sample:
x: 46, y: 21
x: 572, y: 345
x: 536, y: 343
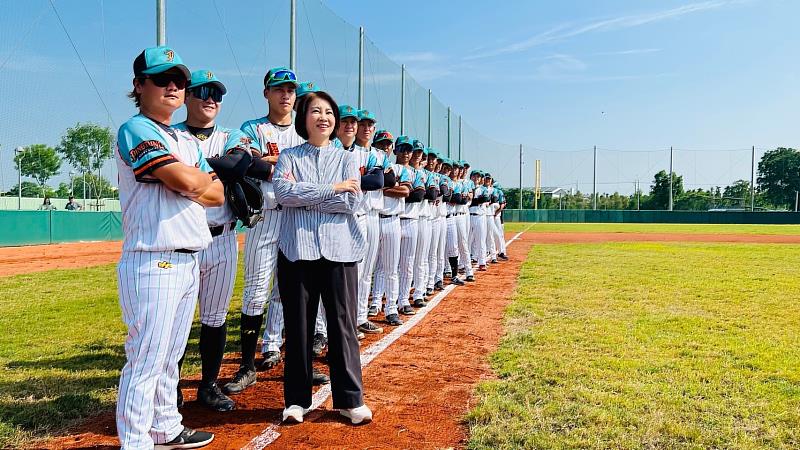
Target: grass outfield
x: 651, y: 228
x: 62, y: 349
x: 648, y: 345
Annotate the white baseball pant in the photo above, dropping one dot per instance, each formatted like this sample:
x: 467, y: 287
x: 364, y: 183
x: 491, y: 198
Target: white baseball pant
x: 217, y: 276
x: 421, y: 257
x: 157, y: 295
x: 371, y: 227
x: 478, y: 241
x: 386, y: 279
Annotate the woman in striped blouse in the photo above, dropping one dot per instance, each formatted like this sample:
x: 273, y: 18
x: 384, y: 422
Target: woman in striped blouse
x: 320, y: 243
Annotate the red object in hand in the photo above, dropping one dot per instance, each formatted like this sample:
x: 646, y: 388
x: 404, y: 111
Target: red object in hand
x: 272, y: 149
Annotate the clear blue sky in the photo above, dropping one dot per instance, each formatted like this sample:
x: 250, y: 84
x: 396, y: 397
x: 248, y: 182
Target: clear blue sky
x: 555, y: 76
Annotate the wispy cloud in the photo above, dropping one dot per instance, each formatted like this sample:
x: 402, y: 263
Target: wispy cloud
x: 566, y: 31
x: 633, y: 51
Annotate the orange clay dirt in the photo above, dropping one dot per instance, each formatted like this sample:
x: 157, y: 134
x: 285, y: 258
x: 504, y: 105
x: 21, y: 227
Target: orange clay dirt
x: 419, y: 388
x: 40, y: 258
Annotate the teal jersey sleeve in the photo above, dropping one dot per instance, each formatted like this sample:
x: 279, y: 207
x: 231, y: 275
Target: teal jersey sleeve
x: 458, y: 187
x: 372, y: 161
x: 237, y: 140
x: 419, y: 179
x: 249, y: 130
x: 337, y: 143
x: 143, y: 148
x: 433, y: 179
x: 405, y: 175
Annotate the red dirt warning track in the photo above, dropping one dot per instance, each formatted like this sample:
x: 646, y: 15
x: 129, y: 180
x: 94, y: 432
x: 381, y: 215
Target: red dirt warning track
x: 419, y: 388
x: 40, y: 258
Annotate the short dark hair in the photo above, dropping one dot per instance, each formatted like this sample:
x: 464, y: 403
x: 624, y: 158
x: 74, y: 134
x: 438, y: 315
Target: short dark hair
x: 302, y: 111
x: 135, y: 96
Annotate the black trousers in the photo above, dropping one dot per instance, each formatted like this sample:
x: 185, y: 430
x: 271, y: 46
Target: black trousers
x: 302, y: 284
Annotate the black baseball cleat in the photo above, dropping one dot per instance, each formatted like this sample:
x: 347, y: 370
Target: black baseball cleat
x: 369, y: 327
x: 243, y: 379
x: 494, y: 261
x: 502, y: 257
x: 188, y: 438
x: 271, y: 359
x: 180, y: 398
x: 470, y: 278
x: 373, y: 311
x: 429, y: 292
x: 211, y: 395
x: 439, y: 286
x: 420, y: 303
x: 394, y: 320
x: 457, y: 281
x: 406, y: 310
x: 319, y: 345
x: 318, y: 378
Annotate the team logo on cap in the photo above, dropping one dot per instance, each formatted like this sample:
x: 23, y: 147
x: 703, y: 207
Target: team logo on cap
x: 311, y: 85
x: 349, y: 109
x: 169, y: 54
x: 209, y: 75
x: 366, y: 113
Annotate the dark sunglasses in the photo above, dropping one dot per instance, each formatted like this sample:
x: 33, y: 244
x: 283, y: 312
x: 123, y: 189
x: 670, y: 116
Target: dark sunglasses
x: 164, y: 79
x: 206, y: 91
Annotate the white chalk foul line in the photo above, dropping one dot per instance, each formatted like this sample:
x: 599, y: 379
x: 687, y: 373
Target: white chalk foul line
x: 270, y: 434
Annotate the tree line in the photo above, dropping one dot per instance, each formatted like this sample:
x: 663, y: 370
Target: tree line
x: 86, y: 147
x: 777, y: 187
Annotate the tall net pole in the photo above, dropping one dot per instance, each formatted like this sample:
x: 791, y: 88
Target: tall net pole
x: 161, y: 22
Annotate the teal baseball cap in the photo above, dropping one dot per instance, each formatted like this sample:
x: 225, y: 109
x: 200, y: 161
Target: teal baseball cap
x: 403, y: 143
x: 418, y: 145
x: 432, y: 151
x: 346, y: 111
x: 364, y: 114
x: 305, y: 88
x: 464, y: 163
x: 447, y: 161
x: 280, y: 75
x: 155, y: 60
x: 203, y: 77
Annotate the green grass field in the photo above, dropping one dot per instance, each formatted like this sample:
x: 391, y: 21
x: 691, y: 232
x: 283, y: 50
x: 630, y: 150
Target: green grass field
x: 651, y: 228
x: 62, y: 349
x: 648, y: 345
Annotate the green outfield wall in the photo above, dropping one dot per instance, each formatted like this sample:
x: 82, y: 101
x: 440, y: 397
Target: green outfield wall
x: 611, y: 216
x: 51, y: 227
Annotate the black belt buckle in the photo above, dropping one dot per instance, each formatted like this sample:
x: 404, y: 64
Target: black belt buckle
x: 219, y: 229
x: 186, y: 251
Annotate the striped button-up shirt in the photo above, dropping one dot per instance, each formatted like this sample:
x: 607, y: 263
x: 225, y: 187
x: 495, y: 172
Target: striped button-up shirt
x: 317, y: 222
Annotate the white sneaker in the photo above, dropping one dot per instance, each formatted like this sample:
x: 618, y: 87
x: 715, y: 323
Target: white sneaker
x: 295, y: 413
x: 357, y: 415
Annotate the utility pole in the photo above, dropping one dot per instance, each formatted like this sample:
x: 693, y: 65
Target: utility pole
x: 638, y: 195
x: 459, y: 137
x: 360, y: 67
x: 402, y: 99
x: 753, y: 179
x: 594, y: 180
x: 19, y: 176
x: 430, y: 132
x: 161, y: 22
x: 521, y: 163
x: 448, y: 131
x: 670, y: 178
x: 293, y: 35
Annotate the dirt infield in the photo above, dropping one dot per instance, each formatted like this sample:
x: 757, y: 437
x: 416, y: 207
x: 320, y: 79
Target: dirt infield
x: 419, y: 388
x: 40, y: 258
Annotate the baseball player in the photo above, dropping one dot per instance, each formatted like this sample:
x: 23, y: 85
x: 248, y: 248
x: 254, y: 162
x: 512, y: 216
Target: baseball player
x: 165, y: 184
x: 490, y: 208
x: 374, y: 163
x: 437, y: 222
x: 478, y: 221
x: 218, y: 262
x: 425, y: 232
x: 455, y: 227
x: 269, y: 134
x: 394, y: 203
x: 439, y: 242
x: 498, y: 223
x: 409, y: 227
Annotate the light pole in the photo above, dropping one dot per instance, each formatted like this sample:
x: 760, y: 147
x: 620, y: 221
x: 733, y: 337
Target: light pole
x: 19, y: 177
x: 71, y: 182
